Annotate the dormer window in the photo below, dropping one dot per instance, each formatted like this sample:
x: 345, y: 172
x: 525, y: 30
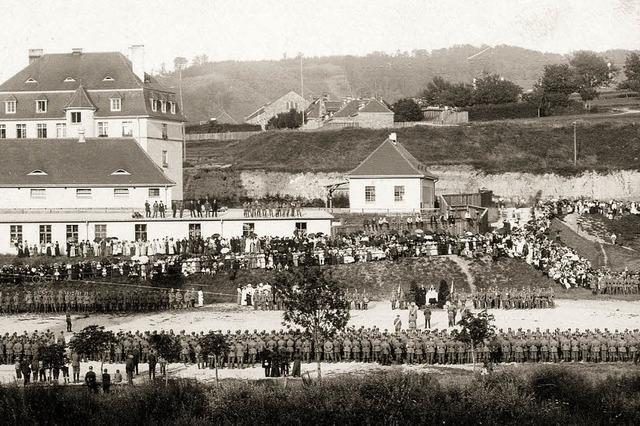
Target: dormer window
x: 41, y: 106
x: 120, y: 172
x: 172, y: 105
x: 154, y: 105
x: 163, y: 106
x: 37, y: 172
x: 31, y: 80
x: 69, y: 80
x: 116, y: 104
x: 108, y: 78
x: 10, y: 107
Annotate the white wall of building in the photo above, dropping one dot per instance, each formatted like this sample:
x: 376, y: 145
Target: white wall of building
x: 159, y: 229
x: 65, y: 198
x: 384, y: 194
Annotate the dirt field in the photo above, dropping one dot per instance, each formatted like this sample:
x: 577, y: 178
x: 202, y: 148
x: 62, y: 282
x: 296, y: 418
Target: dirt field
x: 597, y: 313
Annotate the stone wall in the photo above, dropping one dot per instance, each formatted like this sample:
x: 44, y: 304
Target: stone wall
x: 624, y: 184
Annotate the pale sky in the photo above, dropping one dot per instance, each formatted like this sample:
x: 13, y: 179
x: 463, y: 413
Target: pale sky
x: 266, y: 29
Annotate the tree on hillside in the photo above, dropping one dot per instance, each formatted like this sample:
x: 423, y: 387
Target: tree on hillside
x: 92, y: 340
x: 590, y: 73
x: 214, y: 343
x: 632, y: 72
x: 493, y: 89
x: 440, y: 92
x: 407, y: 110
x: 553, y: 88
x: 314, y: 301
x: 286, y: 120
x: 475, y: 329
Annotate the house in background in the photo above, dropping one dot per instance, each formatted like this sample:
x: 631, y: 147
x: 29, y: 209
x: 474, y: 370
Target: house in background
x: 320, y: 110
x: 283, y: 104
x: 391, y: 179
x: 94, y: 95
x: 367, y: 113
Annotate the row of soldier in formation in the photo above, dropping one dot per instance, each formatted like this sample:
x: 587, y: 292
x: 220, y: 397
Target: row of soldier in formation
x: 272, y: 209
x: 44, y: 300
x: 511, y: 298
x: 367, y: 345
x: 618, y: 285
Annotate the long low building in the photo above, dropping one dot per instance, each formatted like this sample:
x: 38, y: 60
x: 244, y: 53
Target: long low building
x: 36, y: 227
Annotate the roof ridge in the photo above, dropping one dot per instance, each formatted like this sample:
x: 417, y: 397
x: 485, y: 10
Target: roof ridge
x: 404, y: 151
x: 370, y: 155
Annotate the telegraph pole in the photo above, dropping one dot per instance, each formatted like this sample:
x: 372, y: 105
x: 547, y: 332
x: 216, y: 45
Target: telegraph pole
x: 302, y: 88
x: 575, y: 145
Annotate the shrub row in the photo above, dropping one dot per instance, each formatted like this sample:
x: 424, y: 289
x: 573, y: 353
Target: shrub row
x: 548, y: 395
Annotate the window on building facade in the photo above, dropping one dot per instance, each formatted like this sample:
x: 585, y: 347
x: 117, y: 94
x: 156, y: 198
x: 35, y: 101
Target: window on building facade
x: 21, y: 131
x: 103, y: 129
x: 100, y: 231
x: 3, y: 131
x: 165, y: 159
x: 41, y: 106
x: 61, y: 130
x: 45, y: 234
x: 154, y: 105
x: 72, y: 233
x: 38, y: 193
x: 248, y: 228
x: 15, y: 234
x: 370, y: 194
x: 83, y: 193
x: 127, y: 128
x: 10, y: 107
x: 154, y: 192
x: 301, y: 228
x: 76, y: 117
x: 165, y: 131
x: 121, y: 192
x: 163, y: 106
x: 398, y: 193
x: 116, y: 104
x: 141, y: 231
x: 195, y: 230
x: 42, y: 130
x: 172, y: 106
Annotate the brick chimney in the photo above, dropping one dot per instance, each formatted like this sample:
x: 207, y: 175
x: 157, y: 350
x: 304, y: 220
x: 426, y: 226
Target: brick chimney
x: 136, y: 56
x: 35, y: 54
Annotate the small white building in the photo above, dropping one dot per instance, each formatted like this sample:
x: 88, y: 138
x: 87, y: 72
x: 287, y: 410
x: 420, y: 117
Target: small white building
x: 391, y: 180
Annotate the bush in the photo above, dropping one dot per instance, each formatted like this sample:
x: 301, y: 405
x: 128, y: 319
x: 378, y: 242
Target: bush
x: 502, y: 111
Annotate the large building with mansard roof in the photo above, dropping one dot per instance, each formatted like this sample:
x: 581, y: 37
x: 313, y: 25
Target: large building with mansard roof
x: 93, y: 96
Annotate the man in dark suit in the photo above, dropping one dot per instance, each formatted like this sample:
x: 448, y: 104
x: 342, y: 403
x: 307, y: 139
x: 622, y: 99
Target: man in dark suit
x: 106, y: 381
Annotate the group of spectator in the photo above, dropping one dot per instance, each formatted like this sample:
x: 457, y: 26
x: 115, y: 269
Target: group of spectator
x: 510, y: 298
x: 262, y: 208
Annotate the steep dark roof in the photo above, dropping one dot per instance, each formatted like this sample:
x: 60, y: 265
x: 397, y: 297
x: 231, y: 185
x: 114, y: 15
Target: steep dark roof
x: 80, y: 99
x: 87, y: 70
x: 391, y: 159
x: 68, y: 162
x: 348, y: 110
x: 375, y: 105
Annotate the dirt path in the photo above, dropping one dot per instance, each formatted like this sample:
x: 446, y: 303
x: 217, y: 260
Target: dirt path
x: 464, y: 266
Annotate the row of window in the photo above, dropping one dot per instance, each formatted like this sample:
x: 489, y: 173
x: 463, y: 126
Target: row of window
x: 42, y: 106
x: 41, y: 193
x: 370, y: 193
x: 61, y: 129
x: 163, y: 105
x: 140, y: 231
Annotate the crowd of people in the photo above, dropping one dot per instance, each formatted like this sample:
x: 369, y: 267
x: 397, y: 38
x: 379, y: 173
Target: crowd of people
x: 275, y: 350
x: 511, y: 298
x: 260, y: 208
x: 47, y: 300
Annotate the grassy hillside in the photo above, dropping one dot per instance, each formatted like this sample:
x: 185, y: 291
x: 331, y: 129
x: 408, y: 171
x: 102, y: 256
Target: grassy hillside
x: 518, y: 146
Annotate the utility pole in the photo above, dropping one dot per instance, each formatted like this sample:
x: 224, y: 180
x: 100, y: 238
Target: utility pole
x: 575, y: 145
x: 302, y: 88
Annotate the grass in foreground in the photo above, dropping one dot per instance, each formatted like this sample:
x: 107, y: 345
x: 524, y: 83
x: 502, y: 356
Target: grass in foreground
x: 544, y: 395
